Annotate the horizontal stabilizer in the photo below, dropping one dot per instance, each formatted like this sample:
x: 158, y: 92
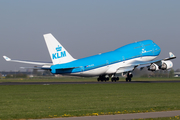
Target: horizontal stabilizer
x: 37, y: 68
x: 28, y: 62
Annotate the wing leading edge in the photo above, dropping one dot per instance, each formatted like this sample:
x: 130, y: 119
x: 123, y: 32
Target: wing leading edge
x: 155, y: 62
x: 172, y: 56
x: 142, y: 64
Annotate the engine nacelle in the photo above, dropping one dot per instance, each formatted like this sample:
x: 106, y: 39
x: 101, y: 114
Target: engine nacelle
x: 153, y: 67
x: 166, y: 65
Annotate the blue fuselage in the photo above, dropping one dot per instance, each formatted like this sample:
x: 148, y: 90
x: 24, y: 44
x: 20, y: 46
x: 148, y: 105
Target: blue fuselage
x: 127, y: 52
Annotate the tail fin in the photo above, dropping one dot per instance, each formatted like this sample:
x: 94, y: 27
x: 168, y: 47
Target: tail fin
x: 57, y: 52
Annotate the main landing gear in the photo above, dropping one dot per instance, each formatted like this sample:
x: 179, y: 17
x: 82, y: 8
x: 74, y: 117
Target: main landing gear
x: 104, y: 78
x: 114, y: 79
x: 129, y: 76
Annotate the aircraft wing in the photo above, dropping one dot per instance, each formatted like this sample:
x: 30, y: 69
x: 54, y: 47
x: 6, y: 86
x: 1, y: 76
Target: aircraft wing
x: 27, y: 62
x: 171, y: 56
x: 126, y: 68
x: 142, y: 64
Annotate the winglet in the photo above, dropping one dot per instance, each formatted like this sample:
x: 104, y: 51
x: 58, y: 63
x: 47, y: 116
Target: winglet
x: 6, y: 58
x: 171, y: 55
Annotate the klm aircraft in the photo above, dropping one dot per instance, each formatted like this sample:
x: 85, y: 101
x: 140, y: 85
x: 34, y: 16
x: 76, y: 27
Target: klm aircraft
x: 105, y: 65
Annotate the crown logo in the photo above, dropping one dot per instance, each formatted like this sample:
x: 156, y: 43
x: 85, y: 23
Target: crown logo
x: 58, y: 48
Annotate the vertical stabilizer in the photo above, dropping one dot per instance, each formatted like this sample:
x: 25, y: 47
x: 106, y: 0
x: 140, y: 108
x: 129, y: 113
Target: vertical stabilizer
x: 57, y: 52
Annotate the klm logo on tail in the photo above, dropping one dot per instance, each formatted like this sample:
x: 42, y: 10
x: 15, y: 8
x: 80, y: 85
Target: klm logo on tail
x: 59, y: 53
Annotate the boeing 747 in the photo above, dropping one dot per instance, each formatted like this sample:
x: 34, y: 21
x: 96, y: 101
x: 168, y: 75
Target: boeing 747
x: 105, y: 65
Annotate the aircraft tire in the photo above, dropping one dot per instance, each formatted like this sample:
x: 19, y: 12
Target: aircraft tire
x: 114, y: 79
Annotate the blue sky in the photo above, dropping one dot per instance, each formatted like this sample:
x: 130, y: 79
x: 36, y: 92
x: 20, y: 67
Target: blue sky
x: 85, y: 27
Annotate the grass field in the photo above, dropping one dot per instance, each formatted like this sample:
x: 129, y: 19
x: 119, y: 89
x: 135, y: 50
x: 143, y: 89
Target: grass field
x: 46, y: 101
x: 78, y: 79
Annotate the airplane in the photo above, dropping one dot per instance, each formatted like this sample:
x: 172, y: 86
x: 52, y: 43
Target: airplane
x: 105, y: 65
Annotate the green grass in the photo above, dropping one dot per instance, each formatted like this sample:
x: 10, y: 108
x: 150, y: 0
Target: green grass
x: 49, y: 79
x: 77, y: 79
x: 45, y: 101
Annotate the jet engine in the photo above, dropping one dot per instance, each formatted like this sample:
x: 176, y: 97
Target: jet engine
x: 166, y: 65
x: 153, y: 67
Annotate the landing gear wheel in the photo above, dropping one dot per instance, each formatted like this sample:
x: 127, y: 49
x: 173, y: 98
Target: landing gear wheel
x: 102, y: 78
x: 114, y: 79
x: 129, y: 76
